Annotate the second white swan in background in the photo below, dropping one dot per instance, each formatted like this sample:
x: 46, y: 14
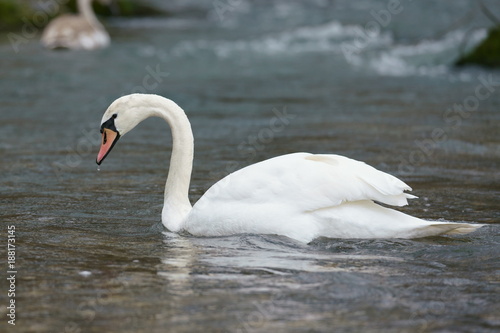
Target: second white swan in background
x: 301, y: 195
x: 76, y: 32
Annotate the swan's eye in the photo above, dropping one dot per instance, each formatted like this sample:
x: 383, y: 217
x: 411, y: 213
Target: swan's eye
x: 114, y: 115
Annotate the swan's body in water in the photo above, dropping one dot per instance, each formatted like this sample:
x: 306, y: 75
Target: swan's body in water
x: 82, y: 31
x: 301, y: 195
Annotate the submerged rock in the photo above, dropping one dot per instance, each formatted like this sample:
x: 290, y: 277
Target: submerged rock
x: 486, y: 54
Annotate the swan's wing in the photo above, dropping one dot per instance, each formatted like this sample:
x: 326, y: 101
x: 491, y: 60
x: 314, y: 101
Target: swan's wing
x: 309, y: 182
x: 360, y: 181
x: 304, y: 196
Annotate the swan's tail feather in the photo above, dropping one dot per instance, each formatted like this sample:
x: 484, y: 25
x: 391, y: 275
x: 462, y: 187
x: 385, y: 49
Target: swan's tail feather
x: 464, y: 228
x: 447, y: 228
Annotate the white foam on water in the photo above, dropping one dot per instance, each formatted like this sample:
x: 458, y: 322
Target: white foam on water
x: 85, y: 273
x: 377, y: 52
x: 426, y: 57
x: 322, y: 38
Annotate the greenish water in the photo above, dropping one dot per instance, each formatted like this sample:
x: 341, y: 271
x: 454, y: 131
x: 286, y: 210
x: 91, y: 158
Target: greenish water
x: 91, y: 254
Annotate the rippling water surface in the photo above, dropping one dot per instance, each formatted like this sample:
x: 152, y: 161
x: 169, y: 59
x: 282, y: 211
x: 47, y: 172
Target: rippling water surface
x: 92, y: 255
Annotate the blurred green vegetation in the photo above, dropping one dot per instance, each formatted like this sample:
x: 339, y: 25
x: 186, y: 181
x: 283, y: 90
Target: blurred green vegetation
x: 486, y: 54
x: 15, y: 13
x: 120, y: 8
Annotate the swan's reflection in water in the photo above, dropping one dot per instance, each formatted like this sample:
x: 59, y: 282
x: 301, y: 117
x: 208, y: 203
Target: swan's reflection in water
x: 252, y: 282
x: 178, y: 266
x: 245, y: 253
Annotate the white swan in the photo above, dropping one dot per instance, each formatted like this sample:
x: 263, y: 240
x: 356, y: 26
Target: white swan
x: 302, y: 196
x: 81, y: 31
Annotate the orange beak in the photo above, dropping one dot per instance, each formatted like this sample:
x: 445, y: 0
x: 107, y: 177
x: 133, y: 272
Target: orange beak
x: 109, y: 138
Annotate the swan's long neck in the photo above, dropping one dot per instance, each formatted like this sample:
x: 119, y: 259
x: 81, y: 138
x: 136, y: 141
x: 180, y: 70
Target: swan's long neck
x: 176, y: 206
x: 85, y: 8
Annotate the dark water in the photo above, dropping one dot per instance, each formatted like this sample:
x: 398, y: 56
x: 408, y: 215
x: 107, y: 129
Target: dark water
x: 91, y: 254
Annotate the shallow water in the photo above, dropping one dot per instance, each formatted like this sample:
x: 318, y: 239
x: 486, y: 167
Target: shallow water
x: 92, y: 256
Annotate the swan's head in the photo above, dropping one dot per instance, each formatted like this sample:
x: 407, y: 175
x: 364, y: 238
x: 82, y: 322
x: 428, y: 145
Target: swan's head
x: 120, y: 117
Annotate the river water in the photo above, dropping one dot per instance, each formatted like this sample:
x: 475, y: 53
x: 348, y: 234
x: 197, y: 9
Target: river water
x: 91, y: 254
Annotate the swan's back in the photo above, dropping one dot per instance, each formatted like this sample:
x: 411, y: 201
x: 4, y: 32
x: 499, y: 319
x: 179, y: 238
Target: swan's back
x: 74, y: 32
x: 305, y: 196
